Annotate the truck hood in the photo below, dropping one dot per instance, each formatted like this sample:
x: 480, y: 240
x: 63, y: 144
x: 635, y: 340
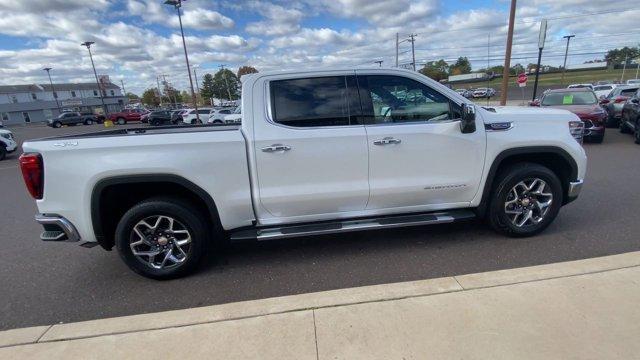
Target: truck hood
x: 524, y: 113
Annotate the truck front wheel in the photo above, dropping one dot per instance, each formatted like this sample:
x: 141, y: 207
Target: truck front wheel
x: 526, y: 198
x: 121, y: 121
x: 162, y: 238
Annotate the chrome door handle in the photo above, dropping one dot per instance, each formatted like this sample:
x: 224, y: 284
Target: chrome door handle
x: 276, y: 147
x: 387, y: 141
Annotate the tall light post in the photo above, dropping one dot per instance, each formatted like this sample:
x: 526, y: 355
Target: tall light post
x: 88, y: 45
x: 566, y: 54
x: 177, y: 4
x: 507, y: 55
x: 53, y: 89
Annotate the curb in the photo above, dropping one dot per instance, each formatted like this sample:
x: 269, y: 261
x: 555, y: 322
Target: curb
x: 325, y: 299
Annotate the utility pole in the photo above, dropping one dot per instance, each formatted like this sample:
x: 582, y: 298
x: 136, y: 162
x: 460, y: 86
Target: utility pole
x: 159, y: 91
x: 507, y: 56
x: 123, y: 90
x: 379, y: 62
x: 224, y: 76
x: 197, y: 83
x: 177, y: 4
x: 88, y: 45
x: 412, y: 38
x: 541, y: 39
x: 637, y: 66
x: 488, y: 62
x: 168, y: 86
x: 566, y: 54
x: 53, y: 90
x: 624, y: 68
x: 397, y: 47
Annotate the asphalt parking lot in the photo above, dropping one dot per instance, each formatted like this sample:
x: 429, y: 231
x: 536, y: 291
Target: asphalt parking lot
x: 45, y: 283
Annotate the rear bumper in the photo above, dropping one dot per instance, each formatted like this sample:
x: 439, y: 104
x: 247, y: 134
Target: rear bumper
x: 57, y: 228
x: 575, y: 187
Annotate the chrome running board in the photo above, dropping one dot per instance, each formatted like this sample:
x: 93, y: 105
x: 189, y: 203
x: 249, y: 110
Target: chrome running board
x: 283, y: 232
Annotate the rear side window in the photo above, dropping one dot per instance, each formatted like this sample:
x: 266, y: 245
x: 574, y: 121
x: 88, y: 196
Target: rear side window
x: 312, y: 102
x: 204, y: 111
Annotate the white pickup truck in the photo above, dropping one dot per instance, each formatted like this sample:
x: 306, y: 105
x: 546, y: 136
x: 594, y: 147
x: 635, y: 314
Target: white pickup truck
x: 317, y: 152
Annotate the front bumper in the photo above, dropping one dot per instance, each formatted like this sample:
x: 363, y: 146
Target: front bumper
x: 57, y: 228
x: 575, y: 187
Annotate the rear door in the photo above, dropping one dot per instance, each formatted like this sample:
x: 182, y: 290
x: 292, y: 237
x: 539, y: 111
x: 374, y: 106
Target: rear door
x: 418, y: 157
x: 311, y: 150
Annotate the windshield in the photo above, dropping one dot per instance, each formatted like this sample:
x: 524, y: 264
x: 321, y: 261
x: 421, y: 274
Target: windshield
x: 569, y: 98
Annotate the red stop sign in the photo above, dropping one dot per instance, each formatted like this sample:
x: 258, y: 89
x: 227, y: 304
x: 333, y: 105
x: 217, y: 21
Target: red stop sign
x: 522, y: 78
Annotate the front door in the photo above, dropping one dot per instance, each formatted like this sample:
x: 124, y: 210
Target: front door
x: 418, y: 157
x: 310, y: 150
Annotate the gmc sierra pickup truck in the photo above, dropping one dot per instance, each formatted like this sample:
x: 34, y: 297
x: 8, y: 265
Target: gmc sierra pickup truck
x: 317, y: 152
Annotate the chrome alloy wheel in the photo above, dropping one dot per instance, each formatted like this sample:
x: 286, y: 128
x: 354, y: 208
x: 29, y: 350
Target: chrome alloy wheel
x: 528, y: 202
x: 160, y: 242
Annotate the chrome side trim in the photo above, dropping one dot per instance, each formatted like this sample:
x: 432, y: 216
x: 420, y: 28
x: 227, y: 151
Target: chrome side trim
x: 574, y: 188
x: 359, y: 225
x: 64, y: 224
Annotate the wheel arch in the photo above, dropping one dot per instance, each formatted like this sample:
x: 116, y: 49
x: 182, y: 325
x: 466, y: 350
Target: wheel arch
x: 555, y: 158
x: 113, y: 196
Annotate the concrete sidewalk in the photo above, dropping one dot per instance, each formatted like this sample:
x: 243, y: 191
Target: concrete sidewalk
x: 587, y: 309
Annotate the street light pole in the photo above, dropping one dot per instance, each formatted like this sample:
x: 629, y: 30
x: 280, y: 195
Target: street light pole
x: 507, y: 56
x: 177, y: 4
x: 53, y: 89
x: 88, y: 45
x: 566, y: 54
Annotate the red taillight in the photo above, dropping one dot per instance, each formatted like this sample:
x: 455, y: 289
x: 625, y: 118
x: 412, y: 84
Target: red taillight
x: 33, y: 174
x: 621, y: 99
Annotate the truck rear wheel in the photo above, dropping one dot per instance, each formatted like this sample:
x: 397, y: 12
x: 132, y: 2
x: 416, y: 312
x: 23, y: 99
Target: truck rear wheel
x: 525, y: 200
x: 3, y: 152
x: 121, y: 121
x: 162, y: 238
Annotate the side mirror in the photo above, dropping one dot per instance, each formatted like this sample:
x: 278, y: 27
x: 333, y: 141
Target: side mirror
x: 468, y: 122
x: 635, y: 100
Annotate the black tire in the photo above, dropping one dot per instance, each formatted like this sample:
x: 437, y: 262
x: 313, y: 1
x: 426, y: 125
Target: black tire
x: 57, y: 124
x: 88, y: 122
x: 636, y: 133
x: 623, y: 125
x: 177, y: 209
x: 3, y: 152
x: 121, y: 121
x: 506, y: 180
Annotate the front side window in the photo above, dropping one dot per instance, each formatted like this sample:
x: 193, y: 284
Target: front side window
x: 204, y: 111
x: 312, y: 102
x: 395, y: 99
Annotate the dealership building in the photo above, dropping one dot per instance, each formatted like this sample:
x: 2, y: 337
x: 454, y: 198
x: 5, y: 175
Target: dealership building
x: 34, y: 103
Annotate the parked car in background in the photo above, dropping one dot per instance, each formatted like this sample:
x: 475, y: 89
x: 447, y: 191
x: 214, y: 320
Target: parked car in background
x: 630, y: 118
x: 8, y: 143
x: 633, y: 82
x: 190, y: 117
x: 484, y: 93
x: 160, y: 117
x: 71, y: 118
x: 582, y: 102
x: 602, y: 91
x: 464, y: 92
x: 311, y: 157
x: 176, y: 115
x: 235, y: 118
x: 580, y: 86
x: 217, y: 115
x: 614, y: 102
x: 127, y: 115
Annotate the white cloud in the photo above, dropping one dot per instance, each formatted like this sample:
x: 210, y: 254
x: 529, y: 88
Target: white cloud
x: 152, y: 11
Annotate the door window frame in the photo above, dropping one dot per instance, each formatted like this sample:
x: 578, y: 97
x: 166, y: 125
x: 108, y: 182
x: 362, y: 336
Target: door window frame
x: 365, y: 98
x: 354, y: 112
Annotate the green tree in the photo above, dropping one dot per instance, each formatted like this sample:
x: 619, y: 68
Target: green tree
x: 516, y: 69
x: 436, y: 70
x: 618, y: 56
x: 225, y: 85
x: 244, y: 70
x: 132, y: 96
x: 462, y: 66
x: 150, y: 97
x: 208, y: 88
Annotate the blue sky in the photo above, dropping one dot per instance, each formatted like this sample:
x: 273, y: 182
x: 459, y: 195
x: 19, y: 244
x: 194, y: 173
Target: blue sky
x: 137, y: 40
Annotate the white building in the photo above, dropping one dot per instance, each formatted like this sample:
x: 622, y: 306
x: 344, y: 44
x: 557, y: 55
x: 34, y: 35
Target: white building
x: 34, y: 103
